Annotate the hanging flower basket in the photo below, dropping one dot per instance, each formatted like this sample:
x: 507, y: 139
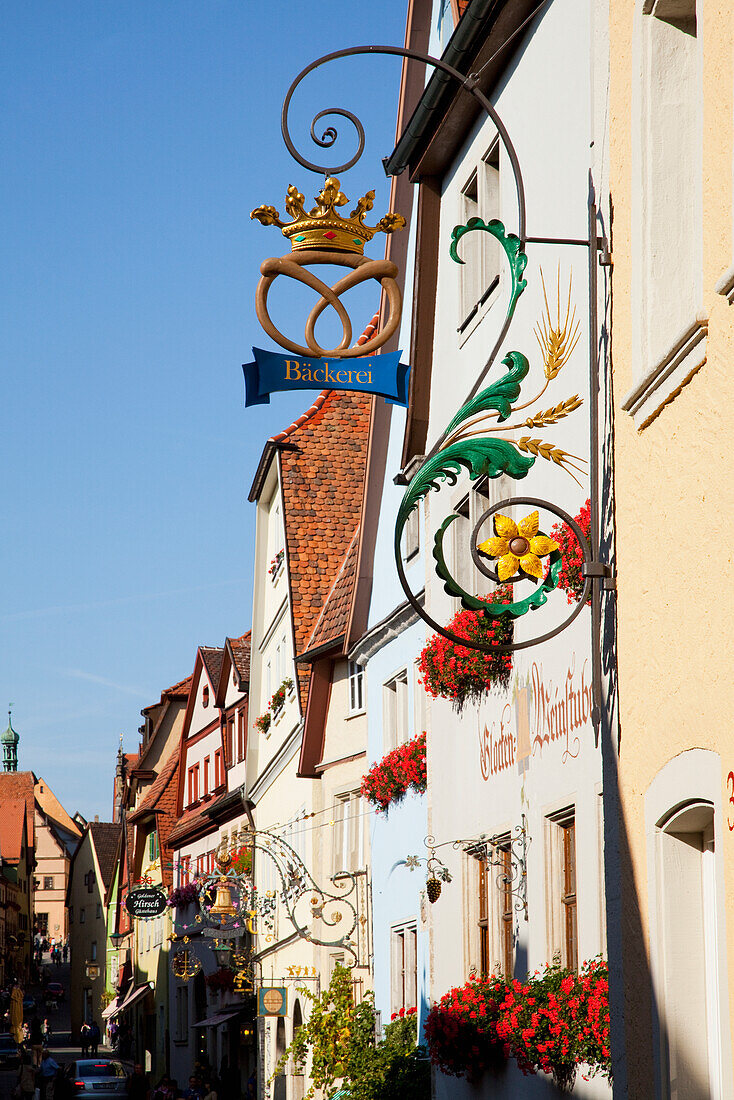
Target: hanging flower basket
x: 457, y: 672
x: 182, y: 896
x: 401, y: 770
x: 572, y: 579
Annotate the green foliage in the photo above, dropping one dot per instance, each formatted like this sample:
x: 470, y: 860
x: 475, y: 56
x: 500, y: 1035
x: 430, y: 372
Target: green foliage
x: 339, y: 1035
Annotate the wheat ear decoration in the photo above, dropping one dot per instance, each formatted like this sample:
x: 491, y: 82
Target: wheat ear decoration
x: 557, y: 341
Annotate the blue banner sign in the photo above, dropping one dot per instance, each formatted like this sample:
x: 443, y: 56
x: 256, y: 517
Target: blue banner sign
x: 272, y: 373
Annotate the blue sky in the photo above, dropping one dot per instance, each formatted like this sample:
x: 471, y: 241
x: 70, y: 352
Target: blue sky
x: 136, y: 139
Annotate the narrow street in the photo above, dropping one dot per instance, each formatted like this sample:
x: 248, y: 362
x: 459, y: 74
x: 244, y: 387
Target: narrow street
x: 60, y: 1046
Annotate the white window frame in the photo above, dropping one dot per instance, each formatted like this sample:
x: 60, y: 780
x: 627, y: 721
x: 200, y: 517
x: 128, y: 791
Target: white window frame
x: 356, y: 687
x: 481, y: 272
x: 404, y: 966
x: 348, y: 837
x: 396, y: 714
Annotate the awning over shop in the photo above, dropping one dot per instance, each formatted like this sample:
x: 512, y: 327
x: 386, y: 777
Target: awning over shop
x: 214, y: 1021
x: 132, y: 998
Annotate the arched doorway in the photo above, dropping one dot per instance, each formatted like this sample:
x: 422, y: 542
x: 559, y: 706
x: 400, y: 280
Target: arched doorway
x: 688, y: 948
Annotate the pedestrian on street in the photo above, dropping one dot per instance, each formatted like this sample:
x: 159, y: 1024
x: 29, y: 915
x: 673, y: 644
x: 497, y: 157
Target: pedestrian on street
x: 46, y: 1075
x: 210, y: 1092
x: 85, y: 1039
x: 94, y: 1037
x: 26, y: 1077
x: 65, y: 951
x: 138, y: 1086
x: 194, y: 1091
x: 36, y: 1040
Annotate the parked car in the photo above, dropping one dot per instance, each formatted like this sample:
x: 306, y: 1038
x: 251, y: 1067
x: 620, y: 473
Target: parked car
x: 55, y: 991
x: 9, y: 1053
x: 92, y: 1076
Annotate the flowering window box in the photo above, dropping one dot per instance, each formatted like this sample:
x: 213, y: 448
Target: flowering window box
x: 553, y: 1022
x: 390, y: 779
x: 276, y: 566
x: 278, y: 700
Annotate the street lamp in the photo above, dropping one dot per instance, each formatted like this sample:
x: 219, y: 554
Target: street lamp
x: 116, y: 939
x: 223, y: 951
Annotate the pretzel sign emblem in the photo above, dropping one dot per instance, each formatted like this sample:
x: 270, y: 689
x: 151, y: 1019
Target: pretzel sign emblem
x: 294, y: 266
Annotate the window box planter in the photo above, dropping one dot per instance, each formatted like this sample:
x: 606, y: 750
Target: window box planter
x: 276, y: 566
x: 389, y: 780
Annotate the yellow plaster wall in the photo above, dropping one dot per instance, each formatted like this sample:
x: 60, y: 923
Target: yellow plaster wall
x: 673, y: 481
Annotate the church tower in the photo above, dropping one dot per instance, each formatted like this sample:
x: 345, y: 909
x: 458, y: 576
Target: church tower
x: 9, y: 741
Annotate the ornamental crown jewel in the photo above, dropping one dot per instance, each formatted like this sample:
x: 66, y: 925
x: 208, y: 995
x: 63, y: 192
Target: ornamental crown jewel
x: 323, y: 228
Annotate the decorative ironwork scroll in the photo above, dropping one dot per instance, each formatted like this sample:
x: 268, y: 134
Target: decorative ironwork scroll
x: 230, y: 907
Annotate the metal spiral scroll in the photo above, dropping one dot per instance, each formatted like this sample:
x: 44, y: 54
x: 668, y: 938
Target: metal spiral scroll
x: 330, y: 134
x: 304, y: 900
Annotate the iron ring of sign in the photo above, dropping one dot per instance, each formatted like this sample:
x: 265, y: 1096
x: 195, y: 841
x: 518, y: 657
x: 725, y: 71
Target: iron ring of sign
x: 364, y: 268
x: 537, y: 502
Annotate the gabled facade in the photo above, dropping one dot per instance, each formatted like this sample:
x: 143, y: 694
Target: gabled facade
x: 57, y: 836
x: 88, y: 897
x: 209, y: 813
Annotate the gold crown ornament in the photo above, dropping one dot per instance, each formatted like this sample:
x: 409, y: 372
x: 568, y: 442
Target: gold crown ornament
x: 322, y: 228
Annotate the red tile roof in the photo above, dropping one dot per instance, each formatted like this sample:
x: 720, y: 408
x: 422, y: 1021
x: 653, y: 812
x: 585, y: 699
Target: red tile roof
x: 322, y: 483
x: 331, y: 624
x: 212, y: 657
x: 183, y: 687
x: 11, y: 828
x: 19, y: 786
x: 241, y: 655
x: 106, y: 839
x: 161, y: 801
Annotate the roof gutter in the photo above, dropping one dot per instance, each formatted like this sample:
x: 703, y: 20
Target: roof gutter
x: 269, y: 450
x: 462, y: 48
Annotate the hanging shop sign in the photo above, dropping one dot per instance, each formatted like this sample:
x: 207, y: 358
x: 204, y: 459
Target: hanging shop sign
x: 272, y: 1000
x: 322, y: 236
x: 146, y: 903
x: 272, y: 373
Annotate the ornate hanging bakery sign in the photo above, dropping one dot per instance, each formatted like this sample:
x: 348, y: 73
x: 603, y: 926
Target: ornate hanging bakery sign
x: 322, y: 236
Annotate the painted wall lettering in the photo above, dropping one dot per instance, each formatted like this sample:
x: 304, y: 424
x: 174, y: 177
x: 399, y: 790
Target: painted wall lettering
x: 560, y: 709
x: 498, y: 745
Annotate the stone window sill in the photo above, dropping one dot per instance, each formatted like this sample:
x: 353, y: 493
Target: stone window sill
x: 666, y: 378
x: 725, y: 285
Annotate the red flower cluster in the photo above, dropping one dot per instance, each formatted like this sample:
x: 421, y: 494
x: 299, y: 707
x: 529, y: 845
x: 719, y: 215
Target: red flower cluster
x: 461, y: 1031
x: 222, y: 979
x: 459, y: 673
x: 554, y: 1022
x: 572, y: 579
x: 403, y: 1012
x: 241, y: 860
x: 389, y: 779
x: 262, y: 722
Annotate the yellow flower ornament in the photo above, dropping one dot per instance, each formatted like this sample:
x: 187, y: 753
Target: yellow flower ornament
x: 518, y: 546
